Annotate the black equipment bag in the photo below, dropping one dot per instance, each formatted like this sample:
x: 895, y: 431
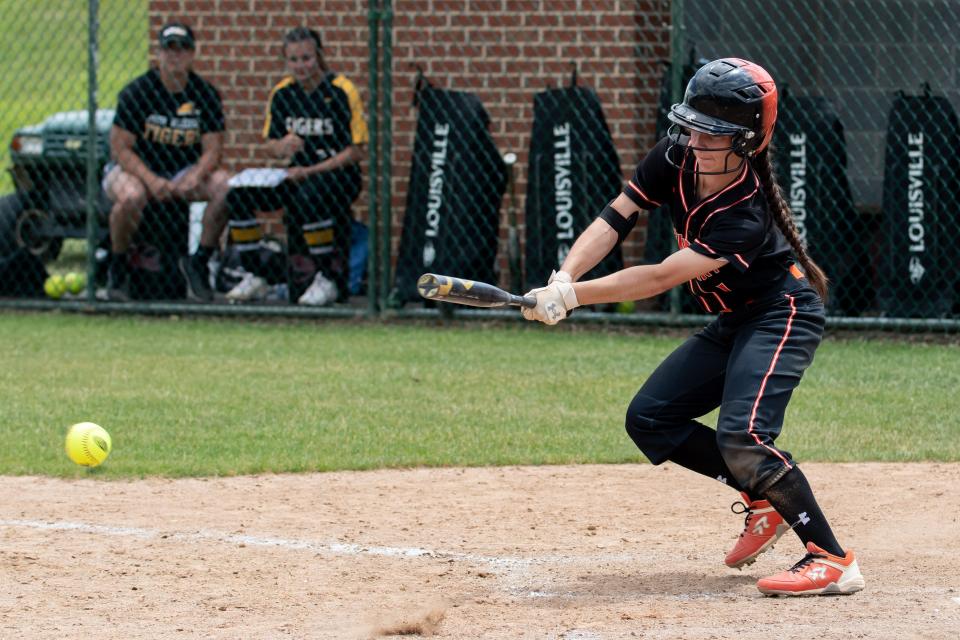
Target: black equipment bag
x: 157, y: 246
x: 811, y: 166
x: 457, y: 183
x: 573, y: 172
x: 22, y: 274
x: 921, y: 195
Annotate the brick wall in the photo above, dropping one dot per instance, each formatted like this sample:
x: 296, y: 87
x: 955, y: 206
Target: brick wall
x: 504, y: 51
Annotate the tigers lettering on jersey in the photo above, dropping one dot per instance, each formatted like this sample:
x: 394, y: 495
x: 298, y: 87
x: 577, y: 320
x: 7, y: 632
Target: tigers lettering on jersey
x: 310, y: 126
x: 179, y: 132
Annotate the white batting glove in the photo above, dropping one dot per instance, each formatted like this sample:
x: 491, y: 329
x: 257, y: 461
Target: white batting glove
x: 553, y: 303
x: 560, y: 276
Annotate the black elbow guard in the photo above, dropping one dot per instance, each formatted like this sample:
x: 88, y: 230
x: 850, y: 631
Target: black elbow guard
x: 623, y: 226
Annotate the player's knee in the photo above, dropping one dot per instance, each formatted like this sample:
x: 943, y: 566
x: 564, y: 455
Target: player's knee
x: 129, y: 205
x: 218, y: 184
x: 130, y: 194
x: 737, y: 450
x: 649, y: 428
x: 730, y: 443
x: 642, y: 417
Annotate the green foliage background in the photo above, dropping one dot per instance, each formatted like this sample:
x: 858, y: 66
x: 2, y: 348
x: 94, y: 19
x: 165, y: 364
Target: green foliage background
x: 43, y: 45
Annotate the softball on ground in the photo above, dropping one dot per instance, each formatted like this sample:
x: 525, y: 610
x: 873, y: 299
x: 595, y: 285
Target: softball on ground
x: 75, y: 282
x: 88, y: 444
x: 54, y: 286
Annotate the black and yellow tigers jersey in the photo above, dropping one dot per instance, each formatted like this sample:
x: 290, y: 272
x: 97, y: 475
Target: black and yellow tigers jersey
x: 169, y: 126
x: 329, y: 118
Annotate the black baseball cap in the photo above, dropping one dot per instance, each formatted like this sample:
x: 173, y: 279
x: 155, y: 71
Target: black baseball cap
x: 177, y: 33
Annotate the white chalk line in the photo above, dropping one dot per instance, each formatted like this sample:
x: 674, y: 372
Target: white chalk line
x: 514, y: 572
x: 333, y: 548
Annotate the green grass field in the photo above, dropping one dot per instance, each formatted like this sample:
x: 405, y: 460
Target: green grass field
x: 43, y: 44
x: 185, y: 397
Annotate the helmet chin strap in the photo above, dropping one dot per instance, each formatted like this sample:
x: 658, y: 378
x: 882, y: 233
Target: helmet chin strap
x: 707, y: 183
x: 735, y: 169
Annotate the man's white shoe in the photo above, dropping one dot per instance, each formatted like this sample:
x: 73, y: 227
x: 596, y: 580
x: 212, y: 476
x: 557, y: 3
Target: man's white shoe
x: 321, y: 293
x: 251, y: 287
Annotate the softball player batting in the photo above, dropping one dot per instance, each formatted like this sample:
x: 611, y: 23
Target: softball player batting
x: 735, y: 234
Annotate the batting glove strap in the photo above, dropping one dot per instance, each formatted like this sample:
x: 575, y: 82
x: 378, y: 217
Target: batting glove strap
x: 567, y: 293
x: 560, y: 276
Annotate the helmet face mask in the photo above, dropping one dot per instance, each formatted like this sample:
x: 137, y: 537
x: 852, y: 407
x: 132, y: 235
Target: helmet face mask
x: 680, y: 144
x: 726, y: 97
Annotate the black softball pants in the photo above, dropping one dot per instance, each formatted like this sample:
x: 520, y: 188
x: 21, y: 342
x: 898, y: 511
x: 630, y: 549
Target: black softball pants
x: 747, y: 363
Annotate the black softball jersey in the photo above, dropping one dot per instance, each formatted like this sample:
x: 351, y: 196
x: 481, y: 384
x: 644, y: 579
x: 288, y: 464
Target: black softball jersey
x: 329, y: 119
x: 169, y: 126
x: 733, y: 223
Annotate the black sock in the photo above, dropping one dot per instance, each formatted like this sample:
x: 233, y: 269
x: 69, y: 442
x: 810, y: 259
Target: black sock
x: 793, y: 499
x: 118, y: 264
x: 203, y: 254
x: 700, y: 453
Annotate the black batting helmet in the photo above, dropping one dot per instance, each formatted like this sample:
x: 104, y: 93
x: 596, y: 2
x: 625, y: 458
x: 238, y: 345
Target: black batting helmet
x: 728, y: 97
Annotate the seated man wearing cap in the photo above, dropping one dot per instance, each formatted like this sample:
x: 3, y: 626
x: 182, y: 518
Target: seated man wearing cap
x: 166, y: 143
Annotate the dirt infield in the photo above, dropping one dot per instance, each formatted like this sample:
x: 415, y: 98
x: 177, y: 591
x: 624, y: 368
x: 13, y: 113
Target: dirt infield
x: 586, y: 552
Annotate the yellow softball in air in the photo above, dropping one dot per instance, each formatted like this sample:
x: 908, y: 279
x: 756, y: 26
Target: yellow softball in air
x: 88, y: 444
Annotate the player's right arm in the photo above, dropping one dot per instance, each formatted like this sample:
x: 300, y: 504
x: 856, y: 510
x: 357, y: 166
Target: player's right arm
x: 279, y: 142
x: 286, y: 147
x: 646, y: 190
x: 597, y: 240
x: 127, y: 122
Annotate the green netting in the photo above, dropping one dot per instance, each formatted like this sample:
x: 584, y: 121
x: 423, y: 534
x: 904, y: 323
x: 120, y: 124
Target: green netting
x: 867, y: 144
x: 866, y: 138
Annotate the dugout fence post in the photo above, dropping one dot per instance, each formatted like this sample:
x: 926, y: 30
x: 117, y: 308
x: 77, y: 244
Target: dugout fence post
x: 386, y: 151
x: 93, y: 186
x: 373, y: 257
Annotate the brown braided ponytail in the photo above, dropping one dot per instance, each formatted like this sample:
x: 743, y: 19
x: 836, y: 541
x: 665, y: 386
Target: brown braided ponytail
x: 763, y: 164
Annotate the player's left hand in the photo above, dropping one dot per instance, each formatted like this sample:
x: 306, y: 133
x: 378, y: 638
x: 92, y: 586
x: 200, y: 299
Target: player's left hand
x: 554, y: 302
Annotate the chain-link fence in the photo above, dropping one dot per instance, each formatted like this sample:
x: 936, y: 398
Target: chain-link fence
x: 462, y: 190
x: 242, y: 188
x: 866, y: 138
x: 45, y: 126
x: 154, y: 210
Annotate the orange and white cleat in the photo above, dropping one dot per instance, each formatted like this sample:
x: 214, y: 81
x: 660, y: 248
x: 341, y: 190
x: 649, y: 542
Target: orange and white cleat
x: 762, y: 527
x: 818, y: 574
